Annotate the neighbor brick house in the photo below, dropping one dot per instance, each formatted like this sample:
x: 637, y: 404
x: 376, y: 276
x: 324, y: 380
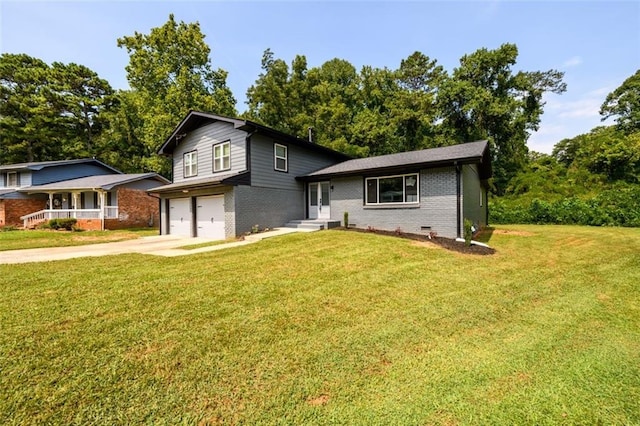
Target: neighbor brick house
x: 231, y: 174
x: 97, y: 195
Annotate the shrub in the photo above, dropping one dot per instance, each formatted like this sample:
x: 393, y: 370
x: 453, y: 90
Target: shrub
x: 63, y: 223
x: 468, y: 232
x: 346, y: 219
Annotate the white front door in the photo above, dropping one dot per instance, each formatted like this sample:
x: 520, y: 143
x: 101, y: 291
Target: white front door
x: 180, y: 216
x: 210, y: 217
x: 319, y: 200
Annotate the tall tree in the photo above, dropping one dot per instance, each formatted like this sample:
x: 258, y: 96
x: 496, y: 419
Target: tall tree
x: 170, y: 73
x: 624, y: 104
x: 49, y: 113
x: 486, y: 99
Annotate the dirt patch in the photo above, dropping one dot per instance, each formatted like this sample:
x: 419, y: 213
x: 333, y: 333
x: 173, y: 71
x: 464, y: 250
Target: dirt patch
x: 318, y: 401
x: 446, y: 243
x: 512, y: 232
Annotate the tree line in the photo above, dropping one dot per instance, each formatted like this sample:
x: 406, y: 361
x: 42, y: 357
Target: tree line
x: 58, y: 111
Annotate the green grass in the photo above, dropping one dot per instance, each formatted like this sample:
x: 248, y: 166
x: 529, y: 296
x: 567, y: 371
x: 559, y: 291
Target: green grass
x: 207, y: 244
x: 331, y: 328
x: 20, y: 239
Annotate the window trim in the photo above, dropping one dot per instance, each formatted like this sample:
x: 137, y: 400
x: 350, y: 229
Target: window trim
x: 191, y: 164
x: 213, y: 154
x: 276, y: 157
x: 404, y: 189
x: 17, y: 180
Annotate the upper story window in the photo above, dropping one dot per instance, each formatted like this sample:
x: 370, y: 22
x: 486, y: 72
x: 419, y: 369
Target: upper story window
x: 222, y: 156
x: 190, y: 164
x: 281, y: 162
x: 401, y: 189
x: 12, y: 180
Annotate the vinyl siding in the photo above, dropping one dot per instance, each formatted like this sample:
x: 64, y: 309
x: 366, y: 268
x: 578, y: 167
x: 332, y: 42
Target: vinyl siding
x: 203, y: 139
x: 471, y: 190
x: 300, y: 162
x: 437, y: 207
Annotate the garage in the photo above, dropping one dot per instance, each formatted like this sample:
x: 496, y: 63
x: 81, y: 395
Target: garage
x: 210, y: 217
x: 180, y: 217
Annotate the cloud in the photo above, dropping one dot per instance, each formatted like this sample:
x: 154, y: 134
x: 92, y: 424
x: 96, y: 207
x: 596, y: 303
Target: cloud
x: 574, y: 61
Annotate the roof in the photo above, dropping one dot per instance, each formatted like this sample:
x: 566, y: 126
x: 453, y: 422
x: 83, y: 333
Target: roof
x: 43, y: 164
x: 7, y: 191
x: 189, y: 184
x: 106, y: 182
x: 195, y: 119
x: 466, y: 153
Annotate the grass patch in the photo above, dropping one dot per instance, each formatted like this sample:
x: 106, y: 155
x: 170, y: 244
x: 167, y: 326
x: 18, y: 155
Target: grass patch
x: 207, y: 244
x: 25, y: 239
x: 331, y: 328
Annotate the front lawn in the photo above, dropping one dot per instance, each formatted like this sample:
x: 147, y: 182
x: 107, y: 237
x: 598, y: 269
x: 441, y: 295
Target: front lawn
x: 331, y: 327
x: 25, y: 239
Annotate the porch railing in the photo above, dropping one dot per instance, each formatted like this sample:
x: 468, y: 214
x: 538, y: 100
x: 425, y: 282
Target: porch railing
x: 32, y: 219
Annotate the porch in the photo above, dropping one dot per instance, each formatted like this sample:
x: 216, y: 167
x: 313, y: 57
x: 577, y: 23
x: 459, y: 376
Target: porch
x: 33, y: 219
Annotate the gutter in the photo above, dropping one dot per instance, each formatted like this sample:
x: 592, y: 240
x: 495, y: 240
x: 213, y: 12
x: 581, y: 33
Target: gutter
x: 458, y: 197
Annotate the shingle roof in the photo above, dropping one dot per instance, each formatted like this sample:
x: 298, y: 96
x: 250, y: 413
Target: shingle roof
x: 106, y: 182
x: 228, y: 178
x: 7, y: 191
x: 462, y: 153
x: 42, y: 164
x: 195, y: 119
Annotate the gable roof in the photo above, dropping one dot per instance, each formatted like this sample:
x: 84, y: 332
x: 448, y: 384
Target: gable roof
x: 195, y: 119
x: 43, y: 164
x: 466, y: 153
x: 105, y: 182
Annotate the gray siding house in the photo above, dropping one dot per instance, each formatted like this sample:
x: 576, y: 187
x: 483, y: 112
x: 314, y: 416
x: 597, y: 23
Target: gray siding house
x: 431, y: 190
x: 232, y: 174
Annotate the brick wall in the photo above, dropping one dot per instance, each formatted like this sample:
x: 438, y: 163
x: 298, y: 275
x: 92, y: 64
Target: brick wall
x: 266, y: 207
x: 136, y: 209
x: 12, y: 209
x: 89, y: 224
x: 437, y: 208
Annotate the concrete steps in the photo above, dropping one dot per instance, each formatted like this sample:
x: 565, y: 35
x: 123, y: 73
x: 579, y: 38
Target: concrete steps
x: 314, y: 224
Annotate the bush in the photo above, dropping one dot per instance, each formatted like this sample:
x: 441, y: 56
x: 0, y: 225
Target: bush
x: 68, y: 224
x: 346, y: 219
x: 468, y: 232
x: 618, y: 206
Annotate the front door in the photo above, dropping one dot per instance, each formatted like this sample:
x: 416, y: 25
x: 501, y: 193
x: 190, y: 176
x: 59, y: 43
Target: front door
x: 319, y: 200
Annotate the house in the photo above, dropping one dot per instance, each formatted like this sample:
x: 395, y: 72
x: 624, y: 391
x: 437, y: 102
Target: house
x: 232, y: 174
x: 97, y: 195
x: 431, y: 190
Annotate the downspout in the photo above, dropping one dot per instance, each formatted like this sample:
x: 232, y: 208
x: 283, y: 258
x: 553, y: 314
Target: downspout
x: 458, y: 198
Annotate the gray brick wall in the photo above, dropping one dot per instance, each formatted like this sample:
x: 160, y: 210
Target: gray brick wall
x: 437, y: 207
x: 266, y: 207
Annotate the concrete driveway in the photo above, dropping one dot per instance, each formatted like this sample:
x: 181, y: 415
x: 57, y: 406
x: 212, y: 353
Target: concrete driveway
x: 159, y: 245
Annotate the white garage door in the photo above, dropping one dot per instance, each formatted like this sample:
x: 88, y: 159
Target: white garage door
x: 210, y: 217
x: 180, y: 216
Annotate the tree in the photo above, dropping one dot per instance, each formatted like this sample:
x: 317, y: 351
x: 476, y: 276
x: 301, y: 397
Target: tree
x: 49, y: 113
x: 624, y: 104
x: 170, y: 73
x: 485, y: 99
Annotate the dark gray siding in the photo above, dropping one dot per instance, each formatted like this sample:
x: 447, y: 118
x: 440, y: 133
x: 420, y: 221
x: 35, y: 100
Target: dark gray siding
x: 203, y: 139
x: 300, y: 162
x: 437, y: 207
x: 65, y: 172
x: 471, y: 190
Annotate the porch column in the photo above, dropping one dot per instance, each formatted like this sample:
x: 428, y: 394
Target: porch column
x: 48, y: 214
x: 102, y: 200
x: 74, y: 202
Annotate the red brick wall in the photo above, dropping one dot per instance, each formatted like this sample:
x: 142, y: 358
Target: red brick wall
x: 89, y: 224
x: 1, y: 212
x: 13, y: 209
x: 135, y: 209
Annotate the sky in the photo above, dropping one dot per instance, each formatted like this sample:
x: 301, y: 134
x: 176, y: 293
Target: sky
x: 595, y: 43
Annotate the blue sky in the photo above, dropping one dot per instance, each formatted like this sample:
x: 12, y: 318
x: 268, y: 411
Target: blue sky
x: 596, y: 43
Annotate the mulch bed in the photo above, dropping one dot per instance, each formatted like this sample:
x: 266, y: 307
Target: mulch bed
x: 447, y: 243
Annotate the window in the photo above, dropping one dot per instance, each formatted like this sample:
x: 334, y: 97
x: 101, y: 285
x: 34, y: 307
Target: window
x: 392, y: 189
x: 12, y: 179
x: 280, y: 152
x: 222, y: 156
x: 191, y: 164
